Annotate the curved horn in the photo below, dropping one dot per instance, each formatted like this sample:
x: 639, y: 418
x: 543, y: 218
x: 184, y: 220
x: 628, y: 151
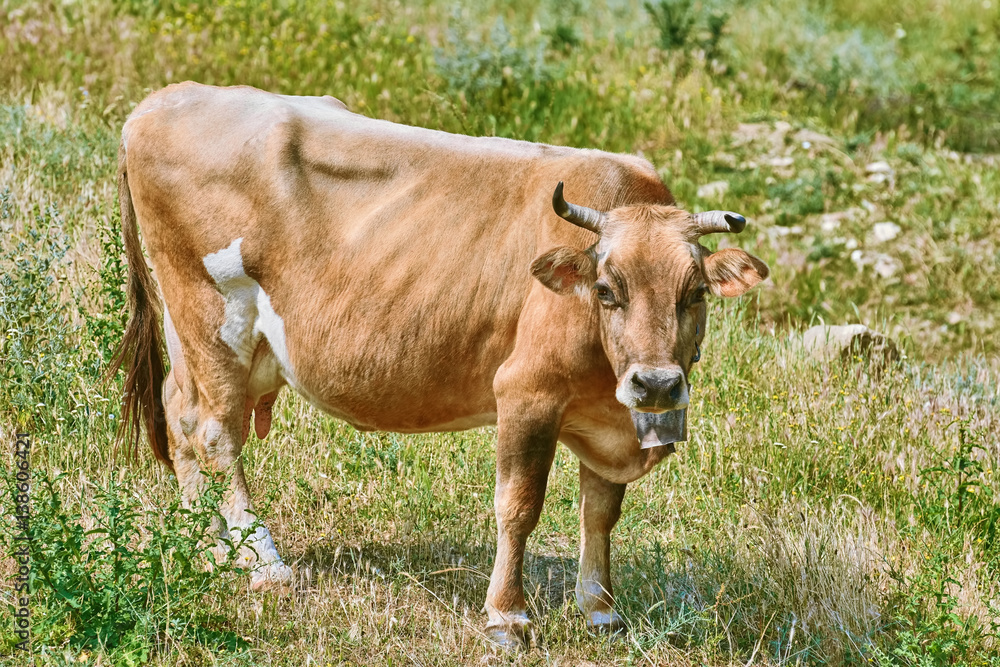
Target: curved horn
x: 581, y: 216
x: 719, y: 222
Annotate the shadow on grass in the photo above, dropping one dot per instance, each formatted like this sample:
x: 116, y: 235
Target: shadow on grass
x: 456, y: 574
x: 684, y: 599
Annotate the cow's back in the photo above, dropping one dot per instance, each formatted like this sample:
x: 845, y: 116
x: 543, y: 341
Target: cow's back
x: 396, y: 257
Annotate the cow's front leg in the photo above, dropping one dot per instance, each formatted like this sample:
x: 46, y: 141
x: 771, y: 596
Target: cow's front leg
x: 524, y: 457
x: 600, y: 508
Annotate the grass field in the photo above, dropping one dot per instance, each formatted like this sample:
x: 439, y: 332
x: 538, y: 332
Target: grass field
x: 818, y: 515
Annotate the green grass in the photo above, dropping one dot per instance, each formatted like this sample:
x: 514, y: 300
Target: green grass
x: 817, y: 515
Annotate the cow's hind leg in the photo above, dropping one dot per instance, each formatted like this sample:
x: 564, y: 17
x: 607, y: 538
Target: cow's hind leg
x: 207, y: 418
x: 219, y: 440
x: 600, y: 508
x: 181, y: 413
x: 525, y: 449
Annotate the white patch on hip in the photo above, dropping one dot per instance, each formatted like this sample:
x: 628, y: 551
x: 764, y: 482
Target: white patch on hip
x: 249, y: 313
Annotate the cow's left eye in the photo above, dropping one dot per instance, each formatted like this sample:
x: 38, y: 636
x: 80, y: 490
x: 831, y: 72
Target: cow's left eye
x: 698, y: 296
x: 605, y: 295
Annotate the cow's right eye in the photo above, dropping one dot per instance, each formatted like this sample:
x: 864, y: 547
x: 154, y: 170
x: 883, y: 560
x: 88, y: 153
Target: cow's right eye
x: 605, y: 295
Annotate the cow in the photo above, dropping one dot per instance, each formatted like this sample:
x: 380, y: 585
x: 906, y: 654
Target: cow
x: 410, y: 280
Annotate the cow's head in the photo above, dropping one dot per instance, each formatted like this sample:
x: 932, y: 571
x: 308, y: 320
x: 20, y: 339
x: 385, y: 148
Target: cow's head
x: 648, y: 277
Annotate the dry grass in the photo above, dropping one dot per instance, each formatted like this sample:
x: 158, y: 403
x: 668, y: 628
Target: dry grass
x: 804, y: 521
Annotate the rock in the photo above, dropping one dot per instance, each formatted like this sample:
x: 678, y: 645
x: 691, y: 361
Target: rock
x: 713, y: 190
x: 881, y: 172
x: 879, y: 168
x: 859, y: 259
x: 782, y: 127
x: 781, y: 162
x: 803, y: 137
x: 746, y: 133
x: 886, y: 267
x: 885, y: 231
x: 723, y: 159
x: 830, y: 222
x: 826, y: 343
x: 777, y: 231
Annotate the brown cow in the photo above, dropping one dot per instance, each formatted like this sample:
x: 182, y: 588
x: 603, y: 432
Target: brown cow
x: 409, y: 280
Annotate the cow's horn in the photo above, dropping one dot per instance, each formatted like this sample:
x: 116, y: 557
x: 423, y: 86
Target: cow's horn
x: 581, y: 216
x: 719, y: 222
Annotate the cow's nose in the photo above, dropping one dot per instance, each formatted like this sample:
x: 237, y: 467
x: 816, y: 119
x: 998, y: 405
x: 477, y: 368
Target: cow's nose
x: 639, y: 387
x: 656, y: 389
x: 656, y: 382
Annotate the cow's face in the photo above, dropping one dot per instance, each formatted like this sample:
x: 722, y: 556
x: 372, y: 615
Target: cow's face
x: 648, y: 277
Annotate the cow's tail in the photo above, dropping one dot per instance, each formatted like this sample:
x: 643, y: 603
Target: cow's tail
x: 141, y: 349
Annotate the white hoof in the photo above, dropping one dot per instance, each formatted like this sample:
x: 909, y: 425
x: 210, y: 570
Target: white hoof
x: 274, y: 577
x: 609, y: 622
x: 511, y: 631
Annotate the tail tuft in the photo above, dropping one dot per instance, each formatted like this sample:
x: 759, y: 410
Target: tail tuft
x: 141, y: 349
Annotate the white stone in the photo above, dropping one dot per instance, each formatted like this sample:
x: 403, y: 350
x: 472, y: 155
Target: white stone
x: 824, y: 343
x: 727, y: 160
x: 886, y: 266
x: 885, y: 231
x: 879, y: 167
x: 713, y: 190
x: 808, y: 139
x: 830, y: 222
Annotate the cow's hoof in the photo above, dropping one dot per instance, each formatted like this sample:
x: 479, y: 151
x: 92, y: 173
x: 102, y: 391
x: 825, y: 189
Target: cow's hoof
x: 605, y: 623
x: 273, y: 578
x: 511, y: 636
x: 508, y: 639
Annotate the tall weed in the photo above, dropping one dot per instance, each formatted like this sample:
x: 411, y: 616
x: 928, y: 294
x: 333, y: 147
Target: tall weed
x: 958, y: 506
x: 110, y: 573
x: 39, y: 368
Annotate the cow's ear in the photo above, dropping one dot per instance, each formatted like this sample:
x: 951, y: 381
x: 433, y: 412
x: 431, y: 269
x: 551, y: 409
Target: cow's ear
x: 731, y: 272
x: 562, y: 269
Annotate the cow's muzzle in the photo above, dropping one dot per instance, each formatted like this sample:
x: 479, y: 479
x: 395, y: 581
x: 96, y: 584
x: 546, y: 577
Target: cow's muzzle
x: 656, y: 390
